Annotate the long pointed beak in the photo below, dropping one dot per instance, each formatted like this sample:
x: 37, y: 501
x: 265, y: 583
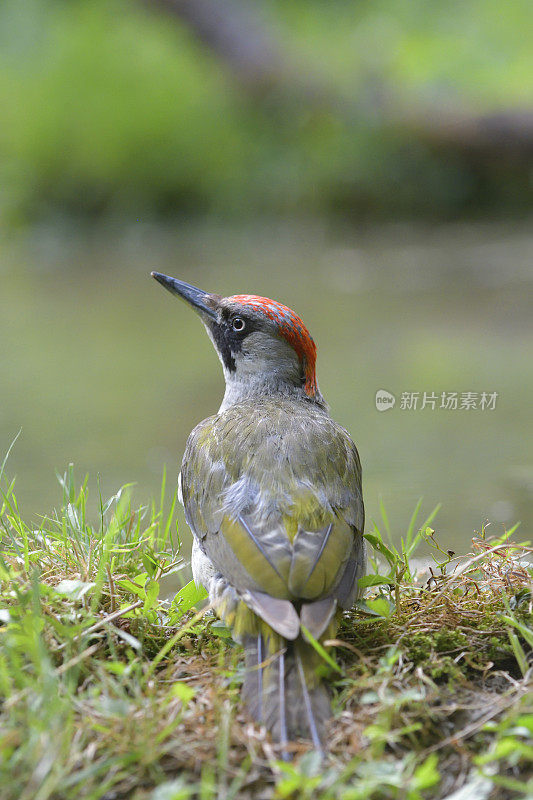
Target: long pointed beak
x: 193, y: 296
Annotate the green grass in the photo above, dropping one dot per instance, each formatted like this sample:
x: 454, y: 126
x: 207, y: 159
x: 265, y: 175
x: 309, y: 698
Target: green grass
x: 111, y: 692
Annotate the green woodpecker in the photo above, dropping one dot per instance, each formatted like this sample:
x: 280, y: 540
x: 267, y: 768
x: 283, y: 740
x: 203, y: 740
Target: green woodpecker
x: 271, y: 487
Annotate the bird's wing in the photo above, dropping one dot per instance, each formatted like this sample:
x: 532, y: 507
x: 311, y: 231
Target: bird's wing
x: 272, y: 492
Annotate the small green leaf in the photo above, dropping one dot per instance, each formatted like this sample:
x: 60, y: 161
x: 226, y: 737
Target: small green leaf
x: 378, y: 607
x: 184, y: 692
x: 116, y: 667
x: 374, y: 580
x: 219, y: 629
x: 151, y: 588
x: 149, y: 563
x: 188, y: 597
x: 427, y: 774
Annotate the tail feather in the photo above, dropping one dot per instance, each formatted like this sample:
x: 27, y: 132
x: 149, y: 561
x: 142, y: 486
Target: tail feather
x: 313, y: 722
x: 260, y: 675
x: 282, y: 689
x: 282, y: 710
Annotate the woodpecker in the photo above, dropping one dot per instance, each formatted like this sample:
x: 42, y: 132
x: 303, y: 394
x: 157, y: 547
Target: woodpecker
x: 271, y: 488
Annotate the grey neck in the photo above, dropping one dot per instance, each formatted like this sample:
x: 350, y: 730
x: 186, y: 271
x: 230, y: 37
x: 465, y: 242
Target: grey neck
x: 261, y: 388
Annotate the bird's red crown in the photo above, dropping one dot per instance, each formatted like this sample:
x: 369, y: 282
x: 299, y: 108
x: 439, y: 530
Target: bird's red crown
x: 293, y: 331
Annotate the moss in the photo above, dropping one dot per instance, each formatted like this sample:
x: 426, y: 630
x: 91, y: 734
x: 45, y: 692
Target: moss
x: 434, y: 651
x: 445, y: 670
x: 419, y: 647
x: 500, y: 651
x: 447, y: 639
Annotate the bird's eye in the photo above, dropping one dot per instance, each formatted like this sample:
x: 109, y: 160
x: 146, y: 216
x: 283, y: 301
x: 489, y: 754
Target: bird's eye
x: 238, y: 324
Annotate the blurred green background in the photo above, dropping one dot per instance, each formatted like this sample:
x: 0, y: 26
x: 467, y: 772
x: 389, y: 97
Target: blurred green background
x: 369, y: 164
